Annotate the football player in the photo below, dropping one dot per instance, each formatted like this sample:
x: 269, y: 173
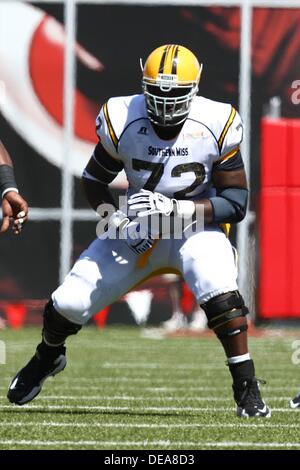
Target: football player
x: 14, y: 207
x: 181, y: 155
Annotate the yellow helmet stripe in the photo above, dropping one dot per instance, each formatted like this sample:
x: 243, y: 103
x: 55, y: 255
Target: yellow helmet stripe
x: 162, y: 60
x: 225, y: 130
x: 169, y: 59
x: 174, y: 61
x: 111, y: 131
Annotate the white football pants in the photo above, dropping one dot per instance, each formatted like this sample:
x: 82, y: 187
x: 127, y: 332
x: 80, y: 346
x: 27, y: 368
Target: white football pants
x: 108, y: 269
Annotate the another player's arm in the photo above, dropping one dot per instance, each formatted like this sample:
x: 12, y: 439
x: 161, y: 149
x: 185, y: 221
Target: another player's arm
x: 101, y: 170
x: 13, y: 205
x: 4, y: 156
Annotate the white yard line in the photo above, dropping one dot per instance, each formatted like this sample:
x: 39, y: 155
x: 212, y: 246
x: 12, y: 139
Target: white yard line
x: 49, y: 424
x: 128, y: 408
x: 158, y: 365
x: 141, y: 398
x: 62, y: 387
x: 121, y: 378
x: 187, y: 366
x: 153, y: 380
x: 148, y: 444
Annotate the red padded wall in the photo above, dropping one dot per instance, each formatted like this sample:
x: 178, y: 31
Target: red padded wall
x: 279, y: 220
x: 273, y: 153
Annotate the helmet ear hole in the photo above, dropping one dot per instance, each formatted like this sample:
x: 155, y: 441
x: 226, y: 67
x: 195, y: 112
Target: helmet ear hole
x: 170, y: 82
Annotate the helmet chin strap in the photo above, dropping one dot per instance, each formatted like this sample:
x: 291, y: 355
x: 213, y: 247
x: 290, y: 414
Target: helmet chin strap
x: 167, y: 123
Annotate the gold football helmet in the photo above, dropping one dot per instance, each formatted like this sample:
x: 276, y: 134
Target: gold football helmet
x: 170, y: 81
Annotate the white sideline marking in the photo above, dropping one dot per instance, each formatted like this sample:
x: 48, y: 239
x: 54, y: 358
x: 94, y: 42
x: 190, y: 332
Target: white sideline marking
x: 158, y: 365
x: 246, y: 444
x: 147, y: 443
x: 128, y: 398
x: 203, y: 389
x: 151, y: 379
x: 184, y: 366
x: 121, y: 379
x: 128, y: 408
x: 117, y: 408
x: 146, y: 425
x: 217, y: 388
x: 142, y: 398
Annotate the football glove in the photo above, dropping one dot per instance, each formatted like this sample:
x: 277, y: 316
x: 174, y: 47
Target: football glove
x: 146, y: 203
x: 132, y: 231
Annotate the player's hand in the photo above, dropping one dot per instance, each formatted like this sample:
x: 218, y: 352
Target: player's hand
x: 145, y: 203
x: 134, y: 232
x: 15, y: 208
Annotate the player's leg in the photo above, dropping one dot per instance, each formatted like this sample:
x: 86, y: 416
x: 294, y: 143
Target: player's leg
x: 208, y: 265
x: 102, y: 274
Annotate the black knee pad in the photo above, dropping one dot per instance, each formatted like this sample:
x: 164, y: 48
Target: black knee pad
x: 223, y: 308
x: 56, y: 327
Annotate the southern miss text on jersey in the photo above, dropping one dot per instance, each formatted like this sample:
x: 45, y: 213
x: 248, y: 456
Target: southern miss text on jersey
x: 180, y: 167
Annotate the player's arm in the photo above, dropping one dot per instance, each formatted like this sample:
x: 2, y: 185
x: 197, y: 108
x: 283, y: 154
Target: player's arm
x: 229, y: 179
x: 101, y: 170
x: 228, y: 206
x: 13, y: 205
x: 228, y: 173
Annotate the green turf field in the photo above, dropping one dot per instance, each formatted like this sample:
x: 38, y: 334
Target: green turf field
x: 122, y: 390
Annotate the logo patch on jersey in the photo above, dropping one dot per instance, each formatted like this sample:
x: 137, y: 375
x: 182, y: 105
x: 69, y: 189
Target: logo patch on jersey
x: 168, y: 152
x: 195, y: 135
x: 143, y: 131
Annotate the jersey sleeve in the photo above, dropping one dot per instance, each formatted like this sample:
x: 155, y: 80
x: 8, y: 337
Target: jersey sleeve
x: 106, y: 132
x: 231, y: 136
x: 229, y: 141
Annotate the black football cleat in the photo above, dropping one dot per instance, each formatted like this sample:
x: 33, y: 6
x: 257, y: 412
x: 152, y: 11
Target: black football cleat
x: 28, y: 382
x: 249, y: 401
x: 295, y: 403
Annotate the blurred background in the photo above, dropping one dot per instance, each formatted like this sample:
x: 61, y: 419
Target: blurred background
x: 60, y: 61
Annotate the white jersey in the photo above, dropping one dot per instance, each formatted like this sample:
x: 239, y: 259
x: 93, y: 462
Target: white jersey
x: 180, y: 167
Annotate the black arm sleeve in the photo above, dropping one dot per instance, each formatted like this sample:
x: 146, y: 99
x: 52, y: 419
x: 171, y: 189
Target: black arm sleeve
x: 97, y: 193
x: 99, y: 172
x: 102, y: 167
x: 230, y: 205
x: 7, y: 178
